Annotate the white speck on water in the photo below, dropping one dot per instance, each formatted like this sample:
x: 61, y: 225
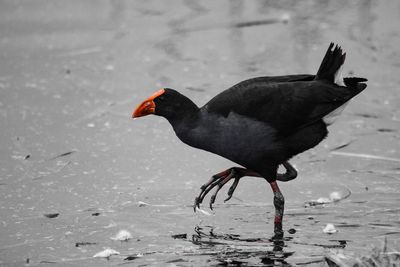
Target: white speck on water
x: 110, y: 225
x: 18, y: 157
x: 91, y: 125
x: 323, y: 200
x: 122, y: 235
x: 285, y: 18
x: 142, y: 204
x: 109, y: 67
x: 31, y: 85
x: 329, y: 229
x: 335, y: 196
x: 107, y: 253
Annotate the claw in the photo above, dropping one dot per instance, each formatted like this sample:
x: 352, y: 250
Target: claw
x: 230, y: 193
x: 220, y: 180
x: 196, y: 204
x: 212, y: 200
x: 204, y: 189
x: 204, y: 192
x: 232, y: 189
x: 226, y: 199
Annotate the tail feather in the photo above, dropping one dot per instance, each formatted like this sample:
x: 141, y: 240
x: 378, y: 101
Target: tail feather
x: 355, y: 83
x: 331, y: 64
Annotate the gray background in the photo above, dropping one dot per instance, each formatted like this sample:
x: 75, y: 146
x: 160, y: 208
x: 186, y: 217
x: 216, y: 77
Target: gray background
x: 72, y: 72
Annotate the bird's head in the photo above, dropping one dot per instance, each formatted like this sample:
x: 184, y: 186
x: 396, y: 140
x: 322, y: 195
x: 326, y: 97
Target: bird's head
x: 165, y: 102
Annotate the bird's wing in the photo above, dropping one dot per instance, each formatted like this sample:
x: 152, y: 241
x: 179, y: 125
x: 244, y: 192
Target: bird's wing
x: 285, y: 105
x: 231, y: 99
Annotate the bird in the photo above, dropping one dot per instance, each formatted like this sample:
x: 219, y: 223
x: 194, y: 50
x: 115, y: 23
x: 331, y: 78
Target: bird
x: 260, y: 123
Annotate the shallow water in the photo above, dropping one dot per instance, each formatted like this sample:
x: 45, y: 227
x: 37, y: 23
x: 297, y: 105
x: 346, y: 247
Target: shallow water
x: 72, y: 72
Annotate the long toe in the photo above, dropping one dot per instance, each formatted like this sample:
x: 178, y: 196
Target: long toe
x: 219, y: 180
x: 207, y: 187
x: 232, y: 189
x: 220, y: 185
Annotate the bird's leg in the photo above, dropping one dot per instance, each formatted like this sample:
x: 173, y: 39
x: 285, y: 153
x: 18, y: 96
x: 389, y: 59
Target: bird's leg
x: 279, y: 203
x: 220, y: 179
x: 205, y: 188
x: 290, y: 173
x: 226, y: 179
x: 242, y: 173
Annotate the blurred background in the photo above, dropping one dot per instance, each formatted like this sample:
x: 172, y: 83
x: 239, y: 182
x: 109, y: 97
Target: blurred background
x: 75, y: 168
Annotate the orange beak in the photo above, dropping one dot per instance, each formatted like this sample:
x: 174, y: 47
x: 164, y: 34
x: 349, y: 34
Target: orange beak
x: 148, y: 106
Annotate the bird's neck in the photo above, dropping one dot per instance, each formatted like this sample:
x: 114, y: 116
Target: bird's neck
x: 186, y: 113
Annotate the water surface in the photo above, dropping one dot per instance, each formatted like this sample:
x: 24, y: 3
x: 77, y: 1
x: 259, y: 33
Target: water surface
x: 72, y: 72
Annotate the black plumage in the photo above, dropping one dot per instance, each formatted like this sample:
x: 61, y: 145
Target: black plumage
x: 262, y: 122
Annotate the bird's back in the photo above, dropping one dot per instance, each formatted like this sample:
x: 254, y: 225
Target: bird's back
x: 289, y: 103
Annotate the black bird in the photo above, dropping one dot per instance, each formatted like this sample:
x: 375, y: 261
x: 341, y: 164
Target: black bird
x: 260, y: 123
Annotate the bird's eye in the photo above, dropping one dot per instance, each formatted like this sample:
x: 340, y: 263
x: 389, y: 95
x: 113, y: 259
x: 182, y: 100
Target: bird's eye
x: 162, y: 98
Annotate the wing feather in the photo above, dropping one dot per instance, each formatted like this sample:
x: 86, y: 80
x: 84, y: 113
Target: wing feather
x: 287, y: 103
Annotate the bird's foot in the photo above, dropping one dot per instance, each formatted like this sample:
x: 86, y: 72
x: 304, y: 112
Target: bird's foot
x: 219, y: 180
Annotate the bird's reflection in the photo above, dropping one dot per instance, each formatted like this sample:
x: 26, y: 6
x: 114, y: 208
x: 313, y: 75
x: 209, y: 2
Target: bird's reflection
x: 232, y: 249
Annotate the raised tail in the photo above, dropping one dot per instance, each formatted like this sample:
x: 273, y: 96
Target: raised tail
x: 331, y: 65
x: 331, y: 70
